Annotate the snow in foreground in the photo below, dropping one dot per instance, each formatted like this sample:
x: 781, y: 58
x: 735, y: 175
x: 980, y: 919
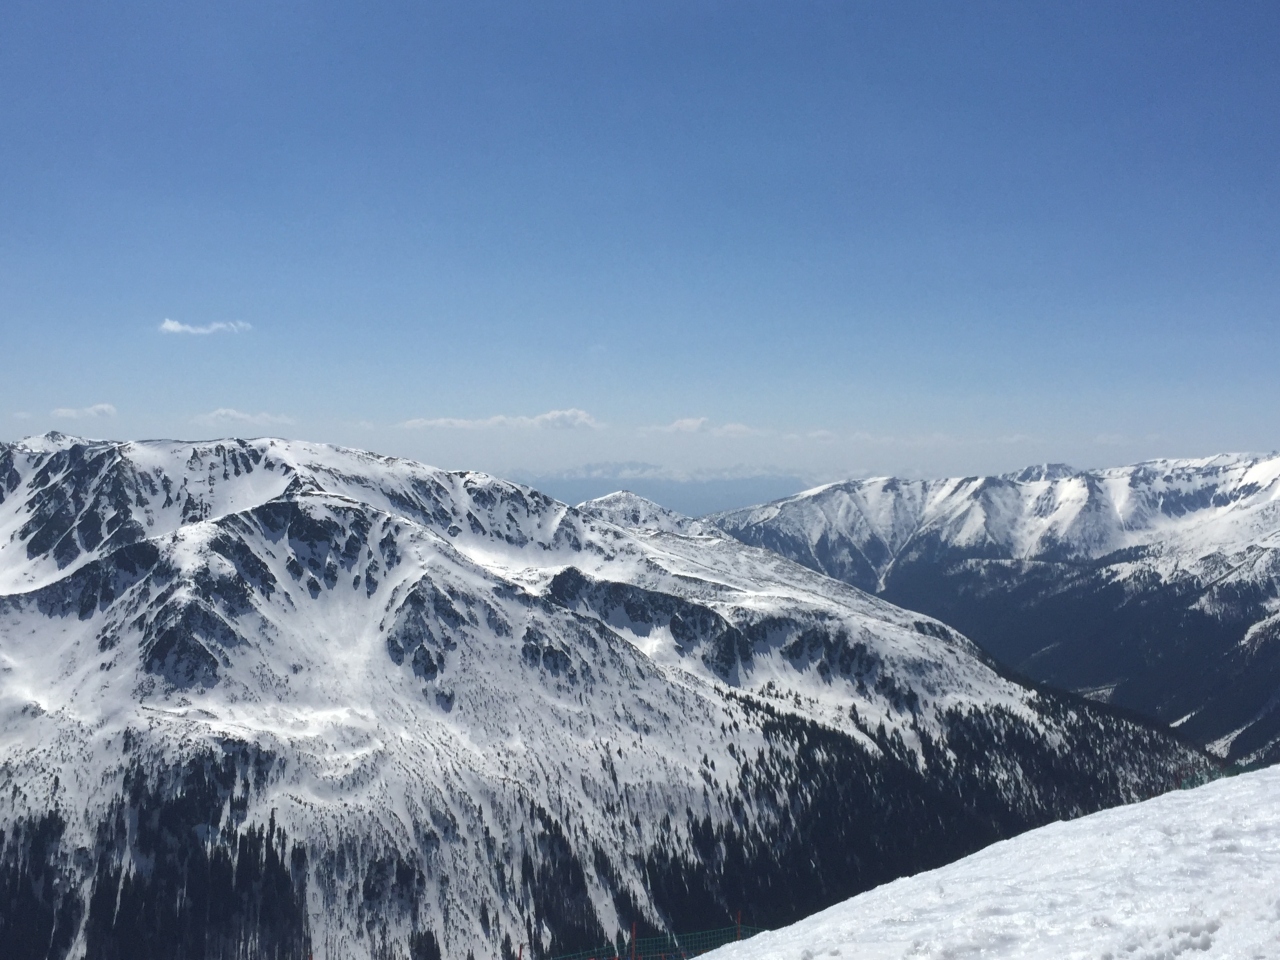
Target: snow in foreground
x: 1193, y: 873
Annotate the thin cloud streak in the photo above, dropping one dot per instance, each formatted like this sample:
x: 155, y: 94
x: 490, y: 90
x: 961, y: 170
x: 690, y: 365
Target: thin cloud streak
x: 705, y: 426
x: 684, y: 425
x: 623, y: 471
x: 233, y: 326
x: 820, y: 435
x: 571, y: 419
x: 230, y: 415
x: 84, y: 413
x: 737, y: 430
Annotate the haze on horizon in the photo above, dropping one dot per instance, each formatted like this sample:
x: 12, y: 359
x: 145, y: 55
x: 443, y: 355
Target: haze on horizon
x: 698, y: 243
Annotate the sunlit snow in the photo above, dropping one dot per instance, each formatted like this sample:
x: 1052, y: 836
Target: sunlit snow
x: 1189, y: 874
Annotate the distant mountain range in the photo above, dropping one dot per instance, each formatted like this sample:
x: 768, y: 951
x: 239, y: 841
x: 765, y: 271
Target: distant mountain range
x: 1155, y: 587
x: 264, y: 698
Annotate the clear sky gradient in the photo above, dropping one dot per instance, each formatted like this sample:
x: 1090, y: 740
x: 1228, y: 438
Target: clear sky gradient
x: 710, y: 240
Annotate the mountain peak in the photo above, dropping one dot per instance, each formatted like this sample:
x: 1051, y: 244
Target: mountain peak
x: 1042, y: 471
x: 49, y: 442
x: 634, y: 512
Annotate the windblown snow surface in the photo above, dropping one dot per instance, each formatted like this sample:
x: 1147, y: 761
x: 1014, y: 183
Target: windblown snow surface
x: 1154, y: 586
x: 1193, y: 873
x: 267, y: 698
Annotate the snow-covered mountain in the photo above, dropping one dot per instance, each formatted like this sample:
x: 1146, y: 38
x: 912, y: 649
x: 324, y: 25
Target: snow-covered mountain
x: 272, y: 698
x: 1155, y: 586
x: 1189, y: 874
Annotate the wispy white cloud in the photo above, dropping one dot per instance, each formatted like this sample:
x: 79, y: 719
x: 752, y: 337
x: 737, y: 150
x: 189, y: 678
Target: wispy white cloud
x: 821, y: 435
x: 704, y: 425
x: 623, y: 471
x: 232, y: 326
x: 22, y: 415
x: 571, y: 419
x: 224, y: 415
x: 685, y: 425
x: 85, y: 413
x: 737, y: 430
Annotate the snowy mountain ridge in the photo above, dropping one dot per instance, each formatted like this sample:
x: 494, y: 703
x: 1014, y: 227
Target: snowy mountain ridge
x: 281, y: 697
x: 633, y: 512
x: 1188, y: 509
x: 1156, y: 586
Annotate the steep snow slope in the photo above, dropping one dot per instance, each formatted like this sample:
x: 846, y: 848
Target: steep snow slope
x: 1156, y: 586
x: 263, y: 697
x: 1192, y: 873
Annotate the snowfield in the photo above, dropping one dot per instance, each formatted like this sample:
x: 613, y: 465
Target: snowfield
x: 1194, y: 873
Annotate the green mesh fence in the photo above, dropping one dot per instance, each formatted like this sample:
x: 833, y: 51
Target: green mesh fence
x: 668, y: 947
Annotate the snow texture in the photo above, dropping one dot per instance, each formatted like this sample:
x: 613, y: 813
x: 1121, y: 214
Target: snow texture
x: 1189, y: 874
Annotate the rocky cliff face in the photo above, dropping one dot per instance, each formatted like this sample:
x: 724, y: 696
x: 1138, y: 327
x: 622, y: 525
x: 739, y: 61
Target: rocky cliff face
x: 1155, y: 586
x: 261, y: 698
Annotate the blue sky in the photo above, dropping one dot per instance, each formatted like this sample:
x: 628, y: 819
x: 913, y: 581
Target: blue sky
x: 708, y: 240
